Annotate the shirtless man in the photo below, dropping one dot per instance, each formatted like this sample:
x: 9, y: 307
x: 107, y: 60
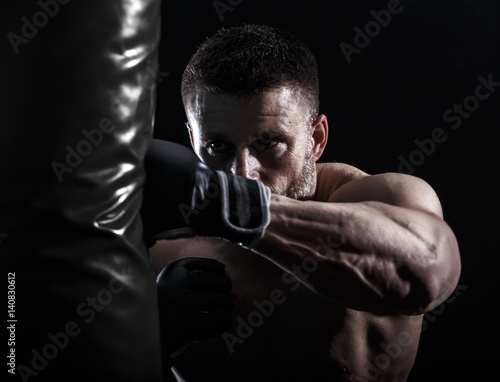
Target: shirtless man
x: 336, y: 288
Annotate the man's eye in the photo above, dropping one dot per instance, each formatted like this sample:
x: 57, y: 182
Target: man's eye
x: 264, y: 143
x: 218, y: 147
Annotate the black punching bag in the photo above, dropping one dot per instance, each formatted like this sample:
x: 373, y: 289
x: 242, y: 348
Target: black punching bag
x: 77, y: 104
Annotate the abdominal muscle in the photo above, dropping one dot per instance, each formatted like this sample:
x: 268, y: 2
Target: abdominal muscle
x: 282, y: 331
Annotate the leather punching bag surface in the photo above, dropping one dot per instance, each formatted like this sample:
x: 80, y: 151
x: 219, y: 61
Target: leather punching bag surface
x: 77, y: 102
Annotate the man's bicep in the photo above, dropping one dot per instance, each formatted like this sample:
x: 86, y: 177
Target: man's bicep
x: 391, y: 188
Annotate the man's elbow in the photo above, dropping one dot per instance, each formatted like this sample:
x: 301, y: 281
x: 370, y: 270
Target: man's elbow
x: 440, y: 277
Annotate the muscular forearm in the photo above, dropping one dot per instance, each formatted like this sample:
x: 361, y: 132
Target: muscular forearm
x: 366, y: 255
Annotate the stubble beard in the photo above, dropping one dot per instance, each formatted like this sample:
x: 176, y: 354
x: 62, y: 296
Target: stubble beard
x: 301, y: 188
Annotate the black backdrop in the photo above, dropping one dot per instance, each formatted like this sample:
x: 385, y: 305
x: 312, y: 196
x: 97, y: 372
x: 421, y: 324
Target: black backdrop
x: 389, y: 100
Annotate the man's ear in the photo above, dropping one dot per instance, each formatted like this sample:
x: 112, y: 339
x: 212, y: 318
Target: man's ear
x: 319, y: 136
x: 190, y: 131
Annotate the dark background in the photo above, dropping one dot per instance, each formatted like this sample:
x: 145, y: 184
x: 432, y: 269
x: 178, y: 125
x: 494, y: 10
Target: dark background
x: 394, y: 91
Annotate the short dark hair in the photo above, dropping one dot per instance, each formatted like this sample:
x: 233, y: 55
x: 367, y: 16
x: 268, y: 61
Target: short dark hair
x: 249, y: 59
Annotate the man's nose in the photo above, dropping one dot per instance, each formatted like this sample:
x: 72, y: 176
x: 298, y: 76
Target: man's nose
x: 246, y: 164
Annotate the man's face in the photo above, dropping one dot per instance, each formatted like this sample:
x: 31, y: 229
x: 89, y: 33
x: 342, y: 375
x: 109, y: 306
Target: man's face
x: 267, y: 137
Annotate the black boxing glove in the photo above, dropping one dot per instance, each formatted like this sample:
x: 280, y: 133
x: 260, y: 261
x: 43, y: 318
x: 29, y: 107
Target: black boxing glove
x: 183, y: 197
x: 194, y: 302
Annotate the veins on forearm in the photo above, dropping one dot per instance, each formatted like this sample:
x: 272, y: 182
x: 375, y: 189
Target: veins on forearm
x: 371, y: 248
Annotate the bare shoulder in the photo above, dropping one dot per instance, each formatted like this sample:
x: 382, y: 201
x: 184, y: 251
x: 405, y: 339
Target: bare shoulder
x: 332, y: 176
x: 164, y: 252
x: 391, y: 188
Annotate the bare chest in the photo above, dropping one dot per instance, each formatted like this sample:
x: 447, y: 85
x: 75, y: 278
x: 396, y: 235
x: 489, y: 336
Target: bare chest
x: 280, y: 328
